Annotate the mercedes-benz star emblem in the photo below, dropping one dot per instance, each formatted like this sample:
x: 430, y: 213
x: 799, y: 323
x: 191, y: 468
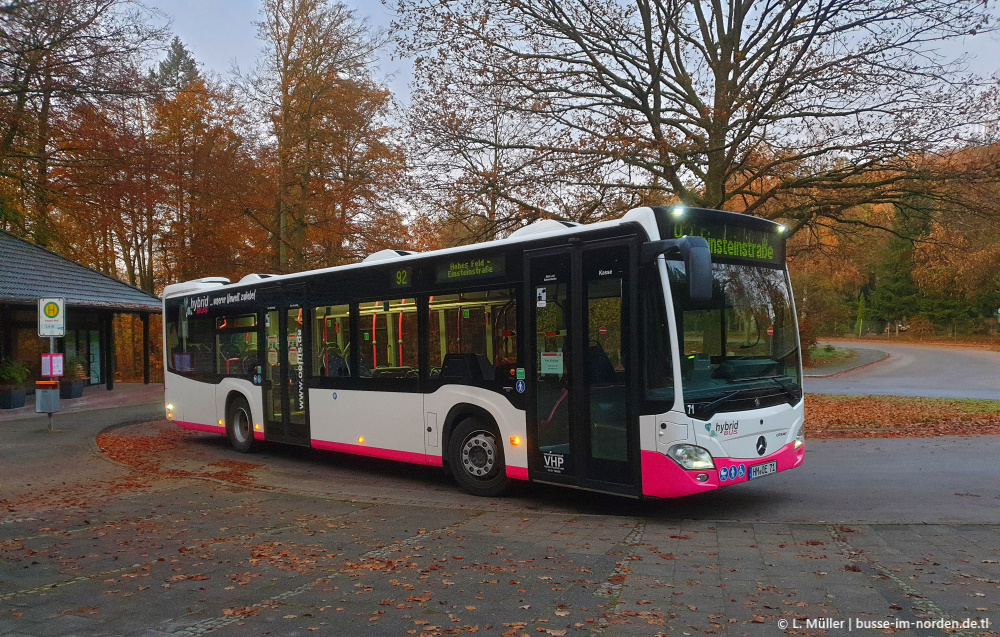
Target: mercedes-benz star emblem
x: 761, y: 446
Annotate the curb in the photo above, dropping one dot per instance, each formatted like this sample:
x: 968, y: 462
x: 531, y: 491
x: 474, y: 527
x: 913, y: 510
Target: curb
x: 885, y: 356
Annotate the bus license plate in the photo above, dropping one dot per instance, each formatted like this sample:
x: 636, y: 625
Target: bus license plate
x: 761, y: 470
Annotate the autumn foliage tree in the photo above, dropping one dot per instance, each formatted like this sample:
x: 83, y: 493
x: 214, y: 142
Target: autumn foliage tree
x: 208, y: 169
x: 787, y: 107
x: 842, y: 119
x: 106, y: 194
x: 337, y: 164
x: 485, y: 169
x: 56, y: 57
x: 930, y: 264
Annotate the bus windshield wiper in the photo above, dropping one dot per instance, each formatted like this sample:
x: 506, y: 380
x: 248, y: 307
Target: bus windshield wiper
x: 715, y: 403
x: 787, y: 387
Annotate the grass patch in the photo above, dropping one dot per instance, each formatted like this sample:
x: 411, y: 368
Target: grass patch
x: 828, y: 355
x: 843, y: 416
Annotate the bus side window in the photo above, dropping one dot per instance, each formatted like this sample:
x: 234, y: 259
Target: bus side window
x: 656, y: 348
x: 332, y: 341
x: 236, y: 345
x: 387, y: 339
x: 481, y: 323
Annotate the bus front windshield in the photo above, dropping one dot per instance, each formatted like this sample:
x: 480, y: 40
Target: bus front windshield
x: 738, y: 350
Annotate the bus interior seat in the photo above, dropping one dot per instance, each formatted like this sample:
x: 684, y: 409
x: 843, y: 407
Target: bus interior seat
x: 335, y: 361
x: 602, y: 371
x: 392, y: 372
x: 470, y: 368
x: 486, y: 368
x: 249, y: 361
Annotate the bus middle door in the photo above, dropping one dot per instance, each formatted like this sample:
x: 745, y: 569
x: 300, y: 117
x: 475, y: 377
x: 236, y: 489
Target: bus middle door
x: 582, y: 416
x: 286, y: 399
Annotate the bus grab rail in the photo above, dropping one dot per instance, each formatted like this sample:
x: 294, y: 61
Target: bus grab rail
x: 697, y: 262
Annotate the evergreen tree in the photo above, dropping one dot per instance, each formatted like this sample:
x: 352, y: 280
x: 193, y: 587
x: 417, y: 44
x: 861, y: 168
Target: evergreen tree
x: 178, y: 71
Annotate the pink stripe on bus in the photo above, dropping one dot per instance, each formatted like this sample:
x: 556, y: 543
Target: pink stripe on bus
x: 517, y: 473
x: 376, y: 452
x: 212, y: 429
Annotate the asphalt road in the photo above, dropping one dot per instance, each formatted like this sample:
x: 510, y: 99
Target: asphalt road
x: 176, y: 543
x: 918, y: 370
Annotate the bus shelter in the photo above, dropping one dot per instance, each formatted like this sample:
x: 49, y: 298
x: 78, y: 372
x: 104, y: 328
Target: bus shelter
x: 29, y: 272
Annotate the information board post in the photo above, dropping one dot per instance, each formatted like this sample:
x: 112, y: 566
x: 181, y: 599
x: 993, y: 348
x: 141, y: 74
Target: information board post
x: 51, y: 323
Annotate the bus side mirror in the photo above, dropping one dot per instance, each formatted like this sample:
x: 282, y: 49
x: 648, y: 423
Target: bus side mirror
x: 697, y: 262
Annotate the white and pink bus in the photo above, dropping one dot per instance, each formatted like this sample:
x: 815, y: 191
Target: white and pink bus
x: 656, y: 355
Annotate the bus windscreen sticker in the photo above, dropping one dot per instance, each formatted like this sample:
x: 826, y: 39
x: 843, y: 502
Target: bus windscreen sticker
x: 552, y: 363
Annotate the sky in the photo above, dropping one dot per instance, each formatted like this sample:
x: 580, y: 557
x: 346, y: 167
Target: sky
x: 221, y: 32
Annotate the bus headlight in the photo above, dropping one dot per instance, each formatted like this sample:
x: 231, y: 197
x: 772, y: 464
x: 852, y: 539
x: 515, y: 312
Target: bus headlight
x: 691, y: 457
x: 800, y: 437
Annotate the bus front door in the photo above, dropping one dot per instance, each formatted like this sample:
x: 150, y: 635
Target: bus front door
x: 285, y: 389
x: 581, y: 412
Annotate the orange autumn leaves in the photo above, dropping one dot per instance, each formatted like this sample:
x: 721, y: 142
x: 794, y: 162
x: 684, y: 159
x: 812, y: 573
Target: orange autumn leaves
x: 151, y: 455
x: 898, y: 417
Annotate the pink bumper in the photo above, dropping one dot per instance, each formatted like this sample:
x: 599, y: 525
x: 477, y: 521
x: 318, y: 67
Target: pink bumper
x: 664, y: 478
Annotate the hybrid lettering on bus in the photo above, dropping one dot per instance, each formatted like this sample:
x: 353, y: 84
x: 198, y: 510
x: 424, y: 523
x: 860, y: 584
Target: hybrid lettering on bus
x: 656, y: 355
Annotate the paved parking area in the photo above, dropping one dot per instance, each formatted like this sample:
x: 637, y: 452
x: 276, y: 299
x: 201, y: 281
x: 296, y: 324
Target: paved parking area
x: 185, y: 537
x: 913, y: 369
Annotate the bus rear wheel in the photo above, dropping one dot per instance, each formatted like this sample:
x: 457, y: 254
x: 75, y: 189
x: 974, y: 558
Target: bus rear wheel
x: 475, y: 454
x: 239, y: 425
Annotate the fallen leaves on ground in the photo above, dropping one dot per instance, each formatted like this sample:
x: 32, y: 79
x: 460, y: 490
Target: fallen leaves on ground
x: 285, y: 556
x: 899, y: 417
x: 85, y: 610
x: 149, y: 449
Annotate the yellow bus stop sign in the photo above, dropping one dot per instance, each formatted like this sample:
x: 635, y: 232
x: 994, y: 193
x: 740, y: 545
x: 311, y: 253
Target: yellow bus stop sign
x: 51, y: 317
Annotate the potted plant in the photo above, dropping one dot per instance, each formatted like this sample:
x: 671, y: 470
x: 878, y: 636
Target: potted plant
x: 12, y: 376
x: 74, y: 377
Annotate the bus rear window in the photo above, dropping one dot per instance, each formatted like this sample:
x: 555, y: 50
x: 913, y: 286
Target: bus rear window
x: 190, y: 343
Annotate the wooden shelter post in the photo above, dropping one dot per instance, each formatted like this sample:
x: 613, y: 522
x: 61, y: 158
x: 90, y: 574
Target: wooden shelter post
x: 145, y: 348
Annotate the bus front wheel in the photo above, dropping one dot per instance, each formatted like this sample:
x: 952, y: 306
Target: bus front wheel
x: 239, y: 425
x: 476, y: 458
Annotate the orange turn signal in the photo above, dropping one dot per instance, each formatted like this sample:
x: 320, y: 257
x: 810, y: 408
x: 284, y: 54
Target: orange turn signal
x: 361, y: 440
x: 515, y: 440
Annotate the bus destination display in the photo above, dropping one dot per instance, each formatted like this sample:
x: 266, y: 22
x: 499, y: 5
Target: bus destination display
x: 728, y: 239
x: 402, y: 278
x: 470, y: 268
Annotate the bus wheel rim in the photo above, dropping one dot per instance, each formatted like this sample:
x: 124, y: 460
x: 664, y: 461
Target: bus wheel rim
x: 242, y: 425
x: 479, y: 455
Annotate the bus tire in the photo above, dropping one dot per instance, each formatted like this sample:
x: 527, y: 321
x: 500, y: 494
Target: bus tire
x: 239, y: 425
x: 475, y: 455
